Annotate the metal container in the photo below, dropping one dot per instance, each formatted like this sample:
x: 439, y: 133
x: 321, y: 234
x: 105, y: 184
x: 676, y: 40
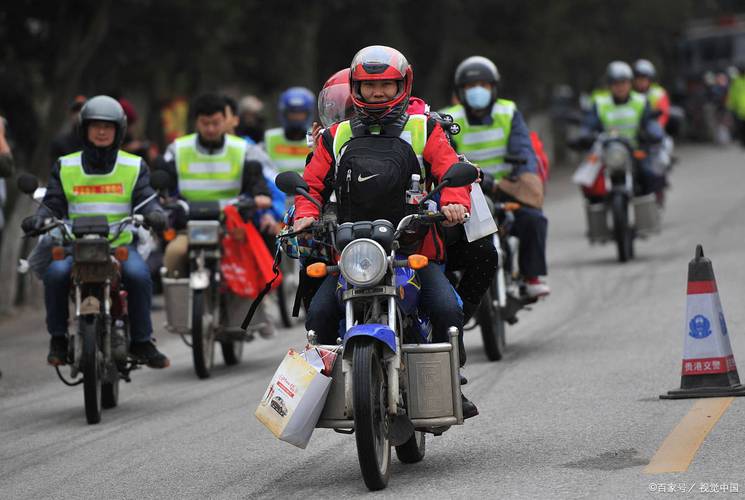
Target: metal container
x: 597, y: 222
x: 646, y: 215
x: 235, y: 310
x: 333, y: 415
x: 177, y: 296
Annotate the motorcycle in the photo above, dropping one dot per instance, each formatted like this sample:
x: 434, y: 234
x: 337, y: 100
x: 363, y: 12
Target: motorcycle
x: 393, y: 384
x: 614, y: 208
x: 201, y: 308
x: 99, y: 345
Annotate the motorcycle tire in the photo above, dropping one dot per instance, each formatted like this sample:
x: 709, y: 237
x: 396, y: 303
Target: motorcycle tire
x: 412, y: 451
x: 91, y: 367
x: 202, y: 343
x: 232, y: 351
x: 492, y: 326
x: 622, y: 233
x: 370, y: 415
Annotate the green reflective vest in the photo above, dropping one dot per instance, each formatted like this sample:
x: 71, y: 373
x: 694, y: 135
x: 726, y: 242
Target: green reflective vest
x: 285, y: 155
x: 485, y: 145
x: 624, y: 119
x: 101, y: 194
x: 210, y: 177
x: 414, y: 132
x: 736, y: 97
x: 654, y: 94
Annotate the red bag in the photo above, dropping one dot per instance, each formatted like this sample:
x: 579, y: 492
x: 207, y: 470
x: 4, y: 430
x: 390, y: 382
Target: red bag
x: 246, y: 262
x: 598, y: 187
x: 543, y: 164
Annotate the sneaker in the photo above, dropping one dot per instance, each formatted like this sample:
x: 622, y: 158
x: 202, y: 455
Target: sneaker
x: 536, y: 288
x: 147, y: 354
x: 469, y: 409
x: 463, y: 379
x: 57, y: 351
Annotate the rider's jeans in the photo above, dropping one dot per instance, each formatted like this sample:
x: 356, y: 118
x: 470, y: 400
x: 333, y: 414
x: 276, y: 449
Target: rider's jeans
x: 437, y: 299
x: 136, y: 280
x: 531, y: 228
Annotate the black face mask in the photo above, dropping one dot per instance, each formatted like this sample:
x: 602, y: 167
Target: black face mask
x: 211, y: 145
x: 295, y: 131
x: 99, y: 158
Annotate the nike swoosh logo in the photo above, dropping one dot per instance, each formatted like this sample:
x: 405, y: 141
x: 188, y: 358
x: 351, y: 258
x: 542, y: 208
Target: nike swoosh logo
x: 363, y: 179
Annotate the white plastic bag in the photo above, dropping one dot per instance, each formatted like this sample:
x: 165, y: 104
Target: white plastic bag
x: 481, y: 223
x: 589, y: 169
x: 294, y: 400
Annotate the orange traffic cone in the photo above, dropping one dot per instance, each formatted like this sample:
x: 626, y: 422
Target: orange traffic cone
x: 709, y: 368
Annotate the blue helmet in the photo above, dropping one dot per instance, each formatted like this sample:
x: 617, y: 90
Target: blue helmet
x: 293, y: 100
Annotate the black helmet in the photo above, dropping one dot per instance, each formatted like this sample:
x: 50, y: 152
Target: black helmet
x: 475, y: 69
x: 618, y: 71
x: 645, y: 68
x: 106, y: 109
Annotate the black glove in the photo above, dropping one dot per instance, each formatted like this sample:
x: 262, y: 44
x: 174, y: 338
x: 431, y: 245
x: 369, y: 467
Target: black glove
x: 178, y: 215
x: 156, y: 220
x: 487, y: 183
x: 32, y: 223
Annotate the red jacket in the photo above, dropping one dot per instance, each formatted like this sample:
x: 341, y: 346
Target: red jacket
x: 438, y: 154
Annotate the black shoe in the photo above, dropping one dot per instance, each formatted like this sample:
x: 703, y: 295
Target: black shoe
x: 463, y: 379
x: 147, y: 354
x: 57, y: 351
x: 469, y: 409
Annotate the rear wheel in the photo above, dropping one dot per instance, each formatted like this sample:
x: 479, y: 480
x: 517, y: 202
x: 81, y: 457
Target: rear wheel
x: 492, y: 325
x: 92, y: 368
x: 202, y: 342
x: 622, y: 232
x: 412, y: 451
x: 370, y: 415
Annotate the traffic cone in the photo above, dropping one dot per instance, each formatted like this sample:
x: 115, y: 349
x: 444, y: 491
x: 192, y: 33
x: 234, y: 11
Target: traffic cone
x: 709, y: 368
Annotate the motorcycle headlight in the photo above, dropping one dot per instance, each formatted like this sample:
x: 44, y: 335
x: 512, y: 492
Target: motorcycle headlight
x: 203, y: 232
x: 363, y: 262
x: 615, y: 156
x: 94, y: 251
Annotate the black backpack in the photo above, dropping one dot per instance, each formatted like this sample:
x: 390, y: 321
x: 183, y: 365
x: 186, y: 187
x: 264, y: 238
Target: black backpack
x: 372, y: 177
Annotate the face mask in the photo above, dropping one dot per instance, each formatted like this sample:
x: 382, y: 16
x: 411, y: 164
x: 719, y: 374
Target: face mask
x: 478, y: 97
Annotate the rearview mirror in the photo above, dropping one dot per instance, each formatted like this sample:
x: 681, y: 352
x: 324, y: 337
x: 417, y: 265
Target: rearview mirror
x: 161, y: 180
x: 289, y: 182
x: 460, y: 174
x: 27, y: 183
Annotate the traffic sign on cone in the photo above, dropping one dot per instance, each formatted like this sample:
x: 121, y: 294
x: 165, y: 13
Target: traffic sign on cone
x: 709, y: 368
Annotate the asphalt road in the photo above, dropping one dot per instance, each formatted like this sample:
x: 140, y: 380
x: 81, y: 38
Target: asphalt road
x: 572, y: 412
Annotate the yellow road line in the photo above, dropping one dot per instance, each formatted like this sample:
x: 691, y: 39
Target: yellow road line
x: 681, y: 445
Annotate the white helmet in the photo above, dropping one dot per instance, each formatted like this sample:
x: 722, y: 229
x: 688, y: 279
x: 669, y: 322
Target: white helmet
x: 618, y: 71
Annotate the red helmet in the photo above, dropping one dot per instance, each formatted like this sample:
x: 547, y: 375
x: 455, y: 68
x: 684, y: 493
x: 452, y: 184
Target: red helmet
x: 378, y: 62
x: 334, y: 100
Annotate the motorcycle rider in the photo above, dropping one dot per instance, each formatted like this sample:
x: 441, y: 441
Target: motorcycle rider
x: 644, y: 83
x: 287, y: 145
x: 380, y: 135
x: 629, y: 114
x: 491, y: 128
x: 210, y: 165
x: 100, y: 180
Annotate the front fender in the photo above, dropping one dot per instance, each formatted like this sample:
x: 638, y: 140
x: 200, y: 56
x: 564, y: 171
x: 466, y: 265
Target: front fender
x: 379, y: 332
x: 199, y: 279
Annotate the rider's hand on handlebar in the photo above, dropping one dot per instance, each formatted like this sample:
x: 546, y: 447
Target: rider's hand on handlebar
x: 262, y: 201
x: 455, y: 214
x: 303, y: 223
x: 157, y: 221
x: 32, y: 223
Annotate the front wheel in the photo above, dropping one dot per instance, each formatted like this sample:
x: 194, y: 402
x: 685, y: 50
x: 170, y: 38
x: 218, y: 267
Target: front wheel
x: 370, y: 415
x: 412, y: 451
x: 91, y: 362
x: 492, y: 325
x: 201, y: 335
x: 622, y: 231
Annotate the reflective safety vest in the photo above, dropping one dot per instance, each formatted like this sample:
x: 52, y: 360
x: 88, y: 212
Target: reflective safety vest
x: 210, y: 177
x: 414, y: 132
x: 109, y: 194
x: 624, y: 119
x: 485, y: 145
x: 285, y: 154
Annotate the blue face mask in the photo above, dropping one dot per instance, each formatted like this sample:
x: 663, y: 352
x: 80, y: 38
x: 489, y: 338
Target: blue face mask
x: 478, y: 97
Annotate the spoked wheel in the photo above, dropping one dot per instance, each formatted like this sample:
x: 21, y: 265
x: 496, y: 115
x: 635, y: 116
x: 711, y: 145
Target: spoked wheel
x: 92, y: 368
x: 110, y: 393
x: 232, y: 351
x: 370, y: 415
x: 492, y: 325
x: 412, y: 451
x: 202, y: 334
x: 622, y: 232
